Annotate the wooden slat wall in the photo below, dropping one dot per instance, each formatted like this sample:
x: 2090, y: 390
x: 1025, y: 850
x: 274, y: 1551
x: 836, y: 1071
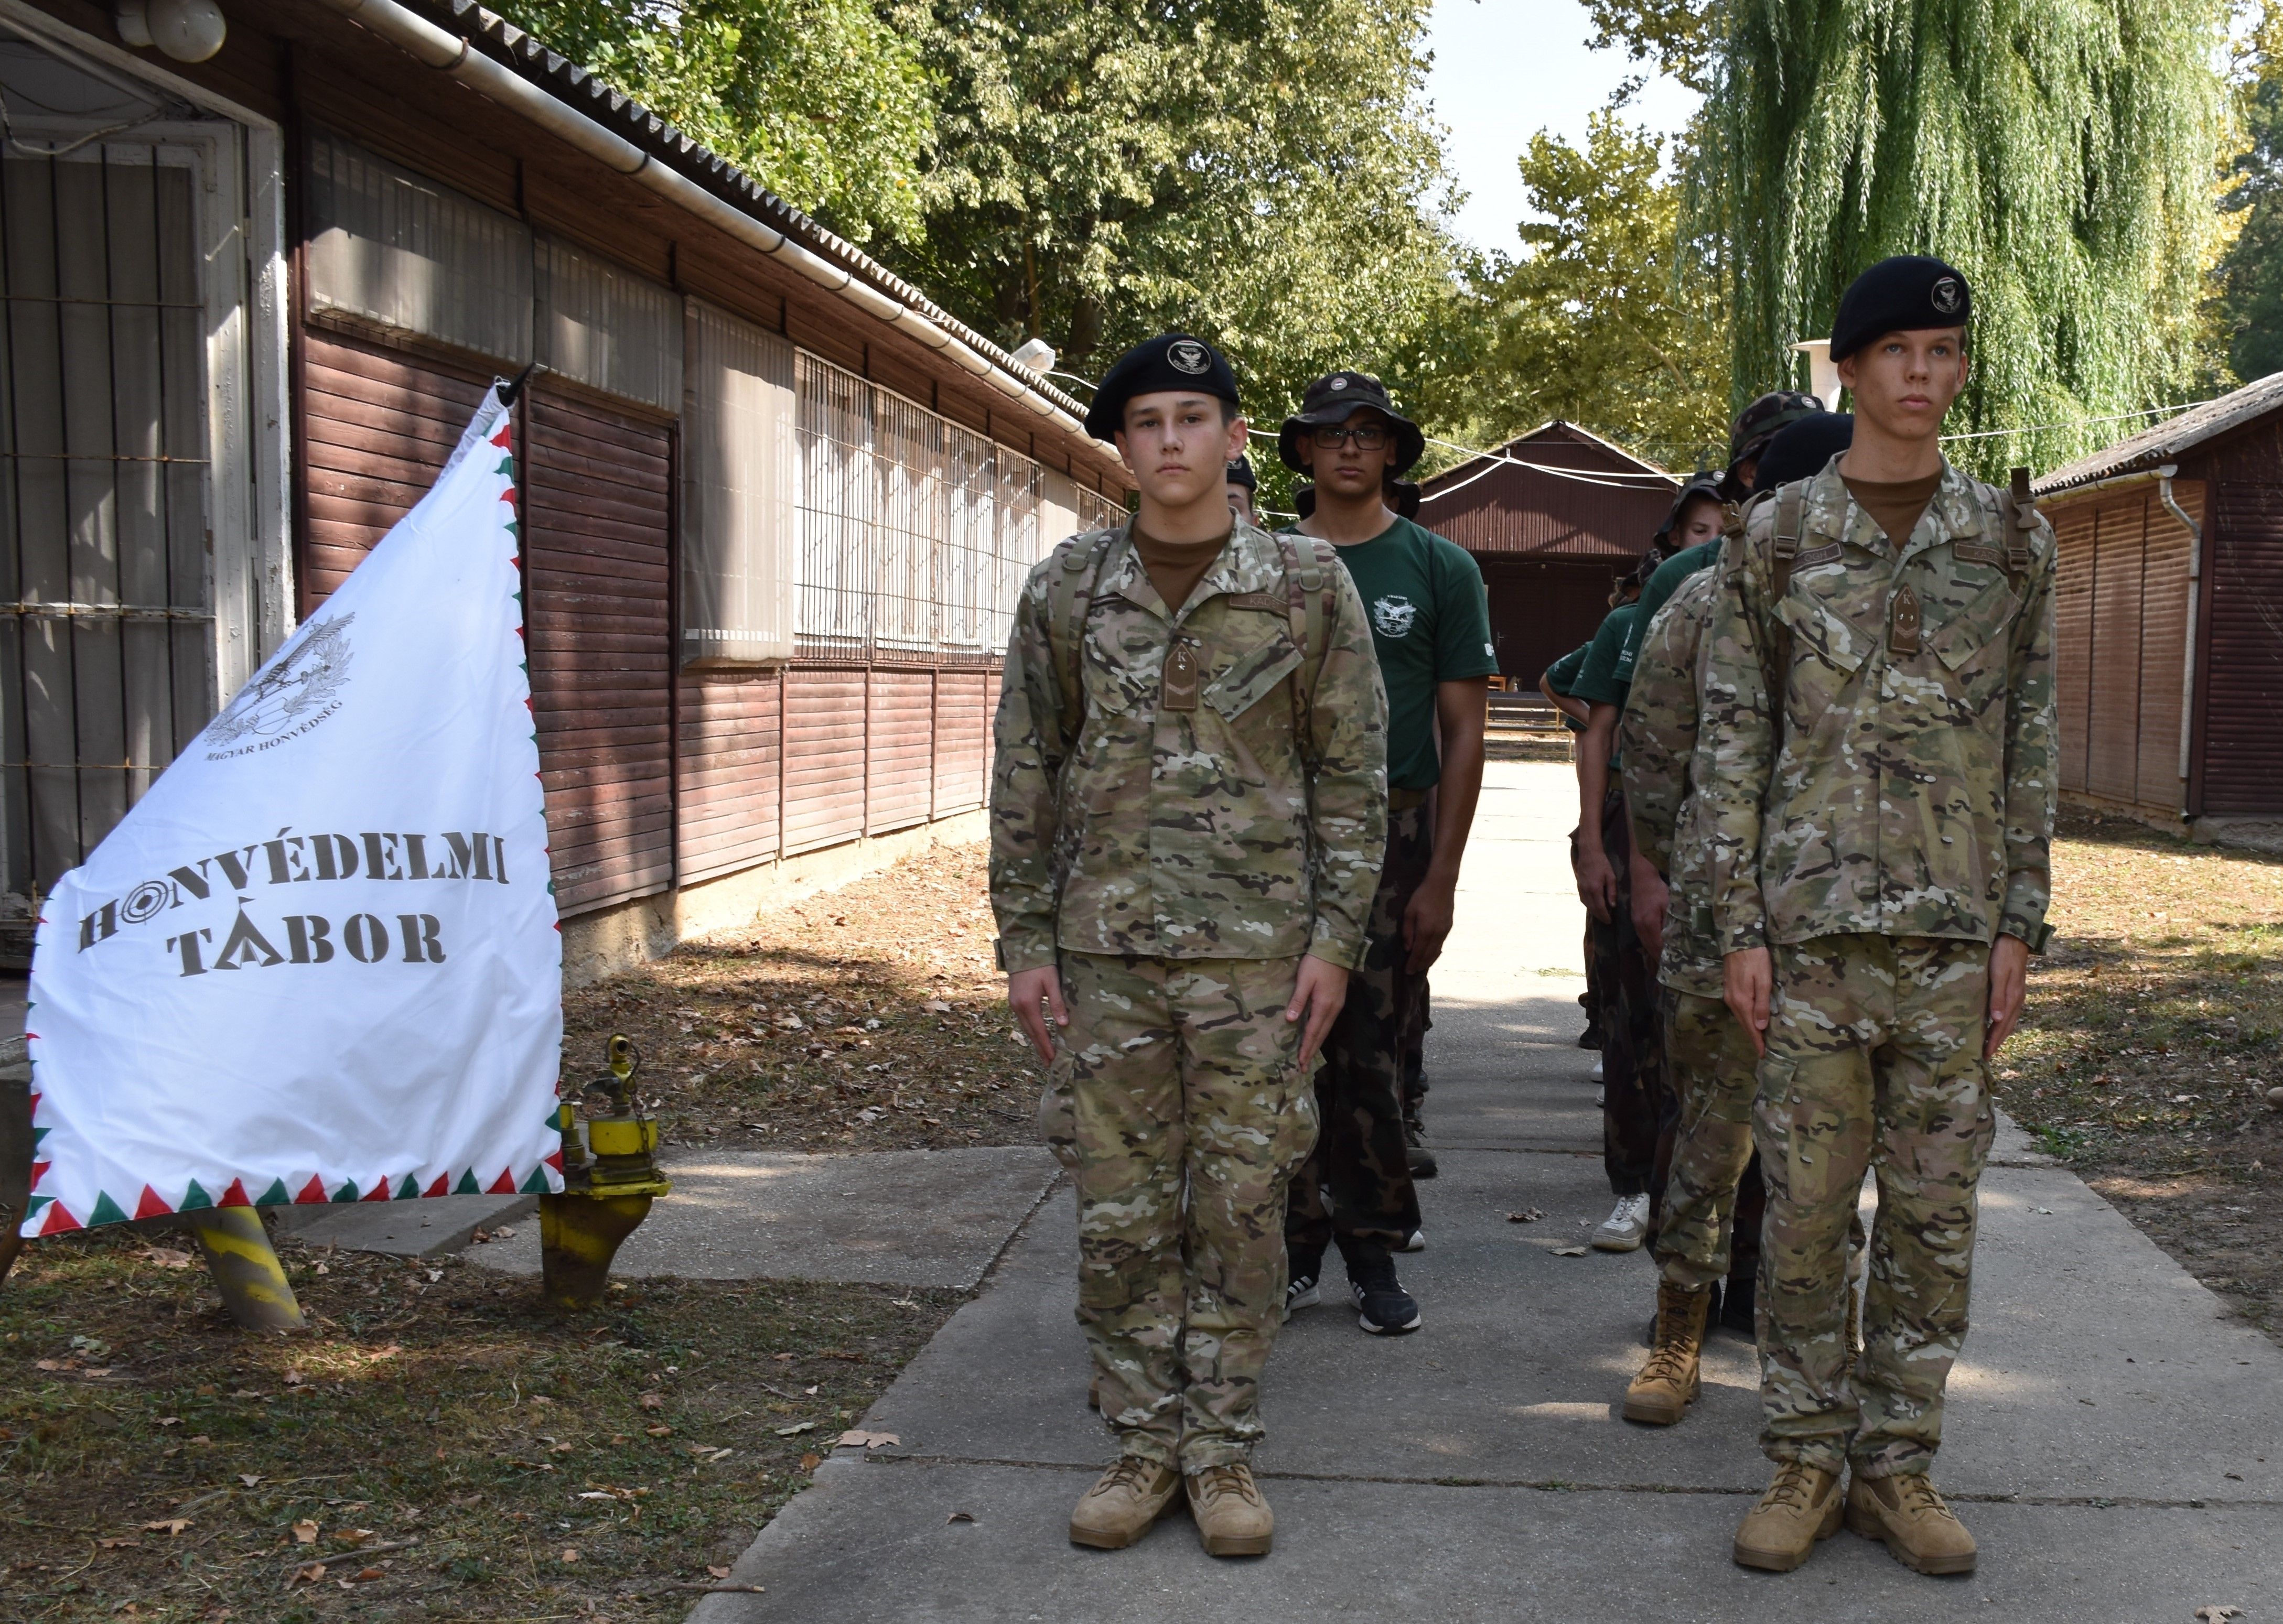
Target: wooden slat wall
x: 898, y: 752
x: 2073, y: 637
x: 2243, y: 746
x: 378, y: 424
x: 2112, y: 744
x: 963, y: 741
x: 824, y: 758
x: 726, y: 806
x: 598, y: 513
x: 2164, y: 646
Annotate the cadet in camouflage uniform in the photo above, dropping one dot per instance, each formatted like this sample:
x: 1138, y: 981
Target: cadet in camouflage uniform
x: 1189, y: 805
x: 1879, y: 692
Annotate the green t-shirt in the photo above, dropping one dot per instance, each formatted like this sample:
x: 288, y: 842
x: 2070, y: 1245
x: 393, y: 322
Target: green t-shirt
x: 1664, y: 581
x: 1562, y: 676
x: 1431, y: 623
x: 1599, y: 683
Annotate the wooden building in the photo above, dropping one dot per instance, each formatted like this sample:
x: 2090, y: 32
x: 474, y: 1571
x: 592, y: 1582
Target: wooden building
x: 776, y: 504
x: 1553, y: 519
x: 2169, y: 616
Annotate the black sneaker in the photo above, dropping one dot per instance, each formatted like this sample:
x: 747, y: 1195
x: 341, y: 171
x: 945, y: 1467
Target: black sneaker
x: 1382, y: 1307
x: 1302, y: 1275
x: 1592, y: 1038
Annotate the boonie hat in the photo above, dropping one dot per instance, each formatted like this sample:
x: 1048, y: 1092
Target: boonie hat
x: 1704, y: 485
x: 1154, y: 366
x: 1331, y: 399
x: 1907, y: 293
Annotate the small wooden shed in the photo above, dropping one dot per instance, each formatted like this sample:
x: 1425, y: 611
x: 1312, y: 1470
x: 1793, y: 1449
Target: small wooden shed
x: 1551, y: 517
x: 2169, y: 616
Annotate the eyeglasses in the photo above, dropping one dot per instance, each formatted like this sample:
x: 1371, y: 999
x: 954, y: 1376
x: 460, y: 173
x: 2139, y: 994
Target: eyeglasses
x: 1367, y: 435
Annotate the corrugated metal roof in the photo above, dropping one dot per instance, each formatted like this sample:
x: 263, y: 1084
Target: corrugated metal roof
x: 620, y: 114
x: 2163, y: 442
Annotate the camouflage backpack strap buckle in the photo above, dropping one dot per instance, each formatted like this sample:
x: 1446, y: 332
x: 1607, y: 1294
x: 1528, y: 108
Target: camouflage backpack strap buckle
x: 1072, y: 597
x: 2018, y: 520
x: 1791, y: 503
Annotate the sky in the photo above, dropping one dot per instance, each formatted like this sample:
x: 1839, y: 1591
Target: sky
x: 1505, y: 69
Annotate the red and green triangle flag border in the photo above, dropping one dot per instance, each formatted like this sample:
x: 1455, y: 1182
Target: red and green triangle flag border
x: 60, y: 1220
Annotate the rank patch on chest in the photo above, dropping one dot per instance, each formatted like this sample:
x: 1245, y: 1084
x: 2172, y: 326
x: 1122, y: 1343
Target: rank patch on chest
x: 1903, y: 629
x: 1178, y: 691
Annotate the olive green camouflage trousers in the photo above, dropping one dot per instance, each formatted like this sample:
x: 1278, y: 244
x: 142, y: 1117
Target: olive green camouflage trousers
x: 1874, y: 1059
x: 1179, y: 1103
x: 1710, y: 1064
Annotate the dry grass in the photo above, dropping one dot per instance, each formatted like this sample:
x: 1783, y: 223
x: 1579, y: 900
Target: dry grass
x: 2154, y: 1031
x: 870, y: 1018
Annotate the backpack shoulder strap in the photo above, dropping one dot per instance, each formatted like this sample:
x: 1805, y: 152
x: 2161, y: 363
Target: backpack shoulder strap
x: 2017, y: 512
x: 1309, y: 595
x: 1069, y: 595
x: 1784, y: 538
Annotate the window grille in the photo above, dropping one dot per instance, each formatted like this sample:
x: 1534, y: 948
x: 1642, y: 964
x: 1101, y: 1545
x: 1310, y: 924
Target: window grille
x: 915, y: 533
x: 738, y: 485
x: 396, y: 248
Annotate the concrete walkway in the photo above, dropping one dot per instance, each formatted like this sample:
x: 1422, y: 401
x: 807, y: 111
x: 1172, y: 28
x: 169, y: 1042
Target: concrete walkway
x: 2115, y: 1440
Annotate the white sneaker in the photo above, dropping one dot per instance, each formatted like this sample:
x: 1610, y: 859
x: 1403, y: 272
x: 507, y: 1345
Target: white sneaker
x: 1626, y: 1227
x: 1597, y: 1068
x: 1416, y: 1241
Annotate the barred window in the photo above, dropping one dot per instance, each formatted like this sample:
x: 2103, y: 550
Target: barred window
x: 915, y: 533
x: 606, y: 327
x: 736, y: 491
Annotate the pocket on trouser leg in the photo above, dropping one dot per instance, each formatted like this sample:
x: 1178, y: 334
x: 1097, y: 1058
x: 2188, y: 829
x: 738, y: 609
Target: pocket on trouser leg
x: 1058, y: 1109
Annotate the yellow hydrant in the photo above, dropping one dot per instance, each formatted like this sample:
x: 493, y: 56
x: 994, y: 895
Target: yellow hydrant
x: 610, y: 1176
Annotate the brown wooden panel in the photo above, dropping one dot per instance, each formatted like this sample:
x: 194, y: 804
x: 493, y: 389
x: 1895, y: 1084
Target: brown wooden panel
x: 601, y: 647
x: 899, y: 757
x: 2164, y: 650
x: 2073, y: 636
x: 2243, y: 746
x: 823, y: 757
x: 726, y: 798
x: 2112, y: 744
x: 963, y: 733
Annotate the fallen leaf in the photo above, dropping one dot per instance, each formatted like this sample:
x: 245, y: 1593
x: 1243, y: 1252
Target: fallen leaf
x: 1569, y: 1251
x: 249, y: 1477
x: 366, y: 1575
x: 780, y: 1358
x: 170, y: 1421
x: 652, y: 1401
x: 166, y: 1257
x: 795, y: 1428
x: 56, y: 1364
x: 810, y: 1462
x: 659, y: 1432
x: 723, y: 1573
x: 1528, y: 1215
x: 305, y: 1532
x: 961, y: 1517
x: 127, y: 1541
x: 294, y: 1379
x: 2217, y: 1615
x: 937, y: 1006
x: 353, y: 1537
x: 199, y: 1438
x: 170, y: 1526
x: 309, y: 1574
x: 562, y: 1448
x: 569, y: 1555
x: 857, y: 1439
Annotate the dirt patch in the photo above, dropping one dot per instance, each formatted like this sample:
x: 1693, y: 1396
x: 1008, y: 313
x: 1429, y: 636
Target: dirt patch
x: 869, y: 1018
x: 2154, y: 1033
x: 440, y: 1444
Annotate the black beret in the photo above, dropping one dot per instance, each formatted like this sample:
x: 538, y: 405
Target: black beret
x: 1907, y: 293
x: 1800, y: 451
x: 1169, y: 361
x: 1240, y: 472
x: 1330, y: 400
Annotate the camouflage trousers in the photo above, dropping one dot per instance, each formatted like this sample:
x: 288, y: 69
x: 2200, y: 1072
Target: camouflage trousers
x: 1874, y: 1060
x: 1709, y: 1227
x: 1178, y: 1102
x: 1362, y: 1161
x: 1635, y: 1103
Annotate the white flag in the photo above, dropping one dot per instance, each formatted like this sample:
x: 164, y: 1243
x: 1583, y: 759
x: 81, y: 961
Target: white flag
x: 319, y: 961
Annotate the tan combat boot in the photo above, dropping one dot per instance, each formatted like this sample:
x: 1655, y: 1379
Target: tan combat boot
x: 1669, y: 1383
x: 1232, y: 1518
x: 1122, y: 1504
x: 1802, y: 1505
x: 1920, y: 1531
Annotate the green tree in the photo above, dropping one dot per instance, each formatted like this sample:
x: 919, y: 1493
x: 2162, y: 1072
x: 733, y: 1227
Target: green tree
x: 2249, y: 279
x: 822, y: 101
x: 1262, y: 172
x: 2060, y: 153
x: 1611, y: 318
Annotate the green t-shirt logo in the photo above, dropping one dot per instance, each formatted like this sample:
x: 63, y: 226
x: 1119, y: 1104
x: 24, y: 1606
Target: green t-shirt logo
x: 1393, y: 616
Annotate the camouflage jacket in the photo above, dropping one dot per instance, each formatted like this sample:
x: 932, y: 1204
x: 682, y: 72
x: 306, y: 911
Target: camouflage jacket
x: 1180, y: 814
x: 1667, y: 762
x: 1903, y: 781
